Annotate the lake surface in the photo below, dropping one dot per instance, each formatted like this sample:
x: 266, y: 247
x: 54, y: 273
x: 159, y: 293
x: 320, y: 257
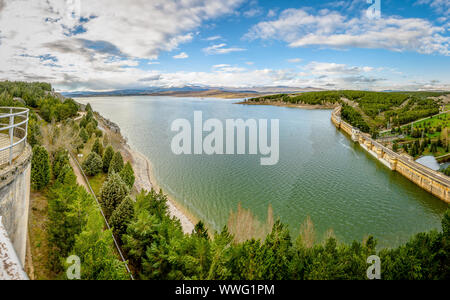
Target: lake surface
x: 321, y: 172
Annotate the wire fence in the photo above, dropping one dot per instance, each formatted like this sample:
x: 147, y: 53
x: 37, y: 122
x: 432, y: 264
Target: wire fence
x: 101, y: 211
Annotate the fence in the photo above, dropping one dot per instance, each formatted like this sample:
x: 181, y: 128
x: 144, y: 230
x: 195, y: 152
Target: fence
x: 13, y: 133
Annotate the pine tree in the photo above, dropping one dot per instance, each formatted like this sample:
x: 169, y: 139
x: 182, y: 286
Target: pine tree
x: 107, y: 157
x: 67, y: 176
x: 84, y: 135
x: 40, y: 168
x: 93, y: 164
x: 127, y: 175
x: 114, y: 190
x: 97, y: 147
x: 122, y: 217
x: 201, y: 231
x: 116, y: 163
x: 61, y: 159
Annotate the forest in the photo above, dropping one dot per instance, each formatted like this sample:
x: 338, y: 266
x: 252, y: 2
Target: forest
x: 379, y: 109
x: 153, y: 242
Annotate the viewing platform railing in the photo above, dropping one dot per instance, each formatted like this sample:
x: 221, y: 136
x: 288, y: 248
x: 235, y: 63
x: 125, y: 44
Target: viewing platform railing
x: 13, y: 133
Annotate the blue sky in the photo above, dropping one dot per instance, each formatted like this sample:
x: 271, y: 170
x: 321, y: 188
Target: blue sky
x: 109, y: 44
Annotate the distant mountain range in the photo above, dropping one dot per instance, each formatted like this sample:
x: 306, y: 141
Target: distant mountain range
x: 194, y: 91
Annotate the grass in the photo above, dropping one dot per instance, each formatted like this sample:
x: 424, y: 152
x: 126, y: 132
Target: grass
x: 38, y: 236
x: 97, y: 181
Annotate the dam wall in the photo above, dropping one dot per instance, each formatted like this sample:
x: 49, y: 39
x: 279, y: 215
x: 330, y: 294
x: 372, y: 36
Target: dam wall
x: 433, y: 182
x: 15, y: 199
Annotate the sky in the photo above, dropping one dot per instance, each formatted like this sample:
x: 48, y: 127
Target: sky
x: 81, y: 45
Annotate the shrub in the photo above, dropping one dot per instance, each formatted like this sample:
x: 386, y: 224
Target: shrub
x: 116, y: 163
x: 127, y: 175
x: 107, y: 157
x: 97, y: 148
x: 61, y: 159
x: 40, y: 168
x: 90, y: 129
x: 114, y: 190
x: 84, y: 135
x: 93, y: 164
x: 122, y: 216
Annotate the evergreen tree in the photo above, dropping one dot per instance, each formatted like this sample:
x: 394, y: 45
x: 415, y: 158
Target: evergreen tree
x: 98, y: 258
x: 116, y: 163
x: 93, y: 164
x: 122, y: 217
x: 201, y: 231
x: 67, y: 176
x: 84, y: 135
x: 90, y: 129
x: 61, y: 159
x: 40, y: 168
x: 97, y: 147
x: 107, y: 157
x: 113, y: 192
x: 127, y: 175
x: 395, y: 147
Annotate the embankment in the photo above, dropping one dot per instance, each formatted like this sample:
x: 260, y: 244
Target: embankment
x: 143, y: 172
x: 434, y: 182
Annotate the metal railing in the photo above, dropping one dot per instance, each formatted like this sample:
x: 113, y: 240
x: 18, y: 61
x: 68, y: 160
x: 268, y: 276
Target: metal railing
x: 13, y: 133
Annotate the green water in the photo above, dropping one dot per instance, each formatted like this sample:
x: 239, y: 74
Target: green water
x: 320, y: 174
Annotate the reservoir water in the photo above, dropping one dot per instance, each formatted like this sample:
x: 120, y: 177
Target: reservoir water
x: 321, y: 172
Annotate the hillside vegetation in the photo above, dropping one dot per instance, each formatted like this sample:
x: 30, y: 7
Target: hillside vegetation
x: 154, y: 243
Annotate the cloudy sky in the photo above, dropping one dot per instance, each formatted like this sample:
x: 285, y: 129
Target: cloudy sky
x: 115, y: 44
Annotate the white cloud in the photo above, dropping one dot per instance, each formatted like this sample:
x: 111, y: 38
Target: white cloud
x: 213, y: 38
x: 99, y: 44
x: 182, y: 55
x: 441, y: 6
x: 227, y: 68
x: 294, y: 60
x: 324, y: 68
x: 253, y: 12
x: 221, y: 49
x: 299, y: 28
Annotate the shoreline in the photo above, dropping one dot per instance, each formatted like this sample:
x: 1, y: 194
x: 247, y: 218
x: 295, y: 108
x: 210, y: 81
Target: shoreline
x: 143, y: 169
x: 283, y: 104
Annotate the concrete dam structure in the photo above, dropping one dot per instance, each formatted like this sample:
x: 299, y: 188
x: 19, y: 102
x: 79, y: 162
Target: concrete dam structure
x: 15, y: 172
x: 434, y: 182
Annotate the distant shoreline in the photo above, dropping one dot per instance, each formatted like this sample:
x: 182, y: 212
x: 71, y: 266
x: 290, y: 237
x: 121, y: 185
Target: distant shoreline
x: 203, y: 94
x: 283, y: 104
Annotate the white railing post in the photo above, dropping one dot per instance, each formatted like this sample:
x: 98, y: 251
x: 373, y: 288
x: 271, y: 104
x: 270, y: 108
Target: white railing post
x: 11, y: 135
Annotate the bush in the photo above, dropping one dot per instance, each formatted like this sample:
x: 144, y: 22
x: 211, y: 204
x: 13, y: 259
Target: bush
x: 122, y: 216
x: 40, y: 168
x: 116, y: 163
x: 84, y: 135
x: 107, y: 157
x: 113, y: 192
x: 90, y: 129
x: 97, y: 147
x: 93, y: 164
x: 61, y: 159
x: 67, y: 176
x: 127, y: 175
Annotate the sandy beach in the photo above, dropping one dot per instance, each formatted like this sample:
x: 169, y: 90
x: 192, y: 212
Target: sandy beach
x: 143, y: 172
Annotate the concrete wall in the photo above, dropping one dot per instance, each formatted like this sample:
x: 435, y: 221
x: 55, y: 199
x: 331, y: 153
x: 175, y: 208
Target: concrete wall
x: 434, y: 182
x: 15, y: 199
